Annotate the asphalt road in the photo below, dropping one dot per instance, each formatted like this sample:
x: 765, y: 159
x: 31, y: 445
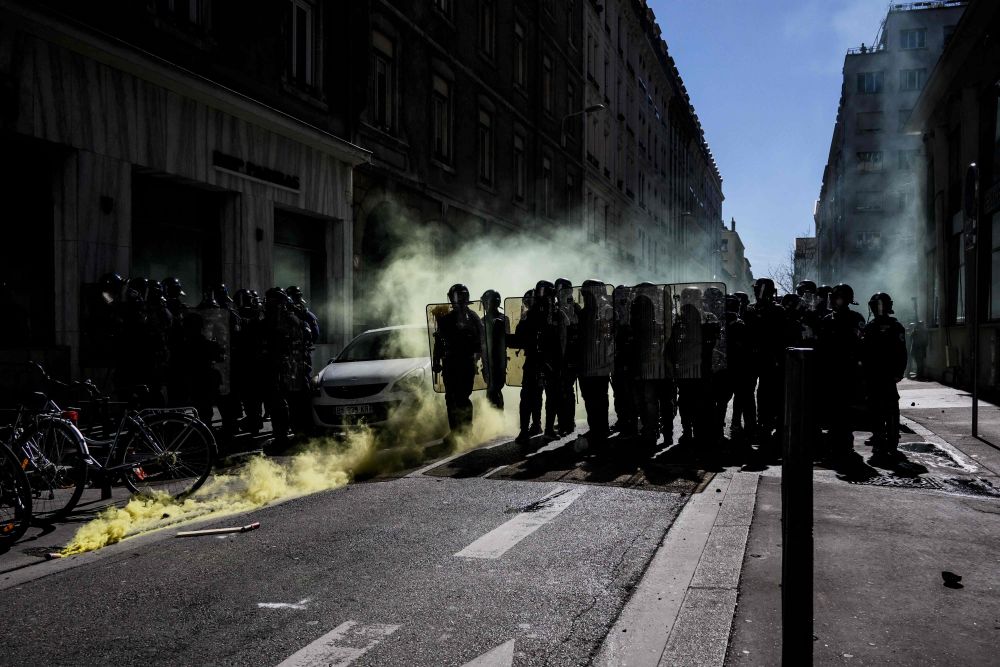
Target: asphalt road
x: 418, y: 570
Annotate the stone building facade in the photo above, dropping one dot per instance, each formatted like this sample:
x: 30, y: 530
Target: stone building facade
x: 162, y: 138
x: 868, y: 212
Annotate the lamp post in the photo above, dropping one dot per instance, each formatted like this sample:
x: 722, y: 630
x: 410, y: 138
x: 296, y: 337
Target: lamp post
x: 583, y: 112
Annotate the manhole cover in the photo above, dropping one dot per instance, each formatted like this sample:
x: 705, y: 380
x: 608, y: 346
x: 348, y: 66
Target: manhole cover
x: 899, y: 482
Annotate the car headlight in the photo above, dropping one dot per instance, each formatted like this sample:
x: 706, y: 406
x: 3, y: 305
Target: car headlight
x: 314, y: 383
x: 411, y: 382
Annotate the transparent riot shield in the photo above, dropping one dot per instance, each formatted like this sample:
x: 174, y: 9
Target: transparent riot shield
x: 642, y: 330
x: 436, y: 312
x: 516, y: 309
x: 809, y: 316
x: 698, y: 342
x: 215, y: 328
x: 590, y: 339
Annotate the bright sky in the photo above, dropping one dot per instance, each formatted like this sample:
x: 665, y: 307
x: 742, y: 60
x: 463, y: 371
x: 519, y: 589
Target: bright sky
x: 764, y: 77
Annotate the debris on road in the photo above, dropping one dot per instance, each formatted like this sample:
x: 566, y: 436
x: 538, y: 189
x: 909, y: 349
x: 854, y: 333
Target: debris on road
x: 219, y: 531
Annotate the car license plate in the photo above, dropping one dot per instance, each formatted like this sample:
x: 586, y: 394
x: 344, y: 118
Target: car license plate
x: 353, y: 410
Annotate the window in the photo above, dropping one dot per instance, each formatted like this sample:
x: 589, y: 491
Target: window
x: 908, y: 159
x: 301, y: 43
x: 443, y: 6
x: 869, y: 161
x: 913, y: 39
x: 547, y: 187
x: 485, y: 145
x: 956, y: 275
x: 519, y: 57
x: 486, y: 27
x: 520, y: 169
x: 868, y: 241
x: 949, y: 30
x: 869, y: 122
x: 571, y: 22
x: 570, y: 191
x: 642, y: 189
x: 870, y: 83
x: 383, y: 83
x: 904, y: 118
x: 441, y: 116
x: 868, y: 201
x: 912, y: 79
x: 547, y: 83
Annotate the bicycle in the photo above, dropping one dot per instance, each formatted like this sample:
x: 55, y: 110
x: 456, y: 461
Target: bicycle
x: 15, y: 499
x: 153, y: 451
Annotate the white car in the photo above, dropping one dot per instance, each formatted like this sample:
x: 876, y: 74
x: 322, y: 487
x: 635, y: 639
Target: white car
x: 383, y: 375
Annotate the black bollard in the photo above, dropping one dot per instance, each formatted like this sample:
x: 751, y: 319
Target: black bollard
x: 799, y: 437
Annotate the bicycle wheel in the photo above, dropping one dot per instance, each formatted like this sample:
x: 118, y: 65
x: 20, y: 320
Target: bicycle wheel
x: 172, y: 454
x: 15, y: 499
x: 57, y: 466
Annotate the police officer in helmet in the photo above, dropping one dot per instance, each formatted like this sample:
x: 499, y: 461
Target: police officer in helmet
x: 458, y: 345
x: 884, y: 361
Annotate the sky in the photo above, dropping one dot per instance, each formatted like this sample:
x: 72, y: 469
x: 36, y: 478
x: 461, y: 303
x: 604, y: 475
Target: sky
x: 764, y: 77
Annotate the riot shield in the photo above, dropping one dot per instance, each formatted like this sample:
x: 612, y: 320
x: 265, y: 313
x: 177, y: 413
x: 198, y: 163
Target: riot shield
x: 698, y: 344
x: 215, y: 328
x: 590, y: 341
x: 435, y: 314
x: 642, y: 331
x: 809, y: 315
x: 516, y: 309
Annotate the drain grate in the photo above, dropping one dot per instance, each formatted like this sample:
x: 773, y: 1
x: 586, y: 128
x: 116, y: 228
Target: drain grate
x: 899, y: 482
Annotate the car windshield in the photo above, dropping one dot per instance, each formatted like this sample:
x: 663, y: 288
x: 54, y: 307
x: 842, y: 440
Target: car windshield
x: 392, y: 344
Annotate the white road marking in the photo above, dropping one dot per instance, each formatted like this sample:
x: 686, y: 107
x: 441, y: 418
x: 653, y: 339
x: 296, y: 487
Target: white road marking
x: 301, y: 604
x: 341, y: 646
x: 499, y: 540
x: 501, y: 656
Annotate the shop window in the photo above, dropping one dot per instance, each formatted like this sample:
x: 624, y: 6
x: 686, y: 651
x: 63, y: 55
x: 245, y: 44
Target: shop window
x: 176, y: 233
x: 300, y: 259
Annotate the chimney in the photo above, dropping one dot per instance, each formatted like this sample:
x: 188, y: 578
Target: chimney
x: 732, y: 225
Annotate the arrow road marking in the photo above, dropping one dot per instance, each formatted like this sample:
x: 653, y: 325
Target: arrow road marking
x: 301, y: 604
x: 498, y: 541
x: 501, y: 656
x: 341, y: 646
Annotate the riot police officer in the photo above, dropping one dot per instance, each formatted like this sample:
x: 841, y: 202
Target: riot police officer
x: 534, y: 335
x: 689, y: 343
x: 839, y: 346
x: 568, y: 316
x: 595, y: 350
x: 496, y: 326
x: 766, y: 323
x: 458, y: 344
x: 301, y: 400
x: 625, y: 366
x: 247, y: 355
x: 282, y: 331
x: 742, y: 356
x: 174, y: 292
x: 884, y: 361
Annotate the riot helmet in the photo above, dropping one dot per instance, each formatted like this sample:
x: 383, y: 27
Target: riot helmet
x: 823, y: 292
x: 276, y: 298
x: 154, y: 291
x: 208, y: 300
x: 763, y: 290
x: 221, y: 294
x: 137, y: 288
x: 544, y: 289
x: 805, y: 287
x: 790, y: 301
x: 744, y: 300
x: 244, y: 299
x: 172, y: 288
x: 562, y: 283
x: 842, y: 296
x: 589, y: 291
x: 880, y: 304
x: 715, y: 300
x: 458, y: 295
x: 733, y: 305
x: 294, y: 293
x: 692, y: 296
x: 111, y: 286
x: 491, y: 300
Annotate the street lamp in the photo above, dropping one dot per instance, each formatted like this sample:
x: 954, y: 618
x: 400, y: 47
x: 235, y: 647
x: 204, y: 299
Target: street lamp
x: 593, y: 108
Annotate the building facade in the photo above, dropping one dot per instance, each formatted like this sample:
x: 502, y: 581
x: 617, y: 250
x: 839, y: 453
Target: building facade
x: 735, y: 267
x: 170, y: 139
x: 653, y: 192
x: 868, y: 213
x: 804, y: 259
x: 958, y: 119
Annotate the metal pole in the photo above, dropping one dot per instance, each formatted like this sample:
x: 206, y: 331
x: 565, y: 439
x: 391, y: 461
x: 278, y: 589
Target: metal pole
x: 797, y: 509
x: 975, y: 341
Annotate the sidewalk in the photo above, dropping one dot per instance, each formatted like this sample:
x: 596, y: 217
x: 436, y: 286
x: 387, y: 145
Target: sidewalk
x: 881, y: 547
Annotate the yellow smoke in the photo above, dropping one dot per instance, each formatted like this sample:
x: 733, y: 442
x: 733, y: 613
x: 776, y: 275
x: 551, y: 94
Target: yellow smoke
x: 321, y: 464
